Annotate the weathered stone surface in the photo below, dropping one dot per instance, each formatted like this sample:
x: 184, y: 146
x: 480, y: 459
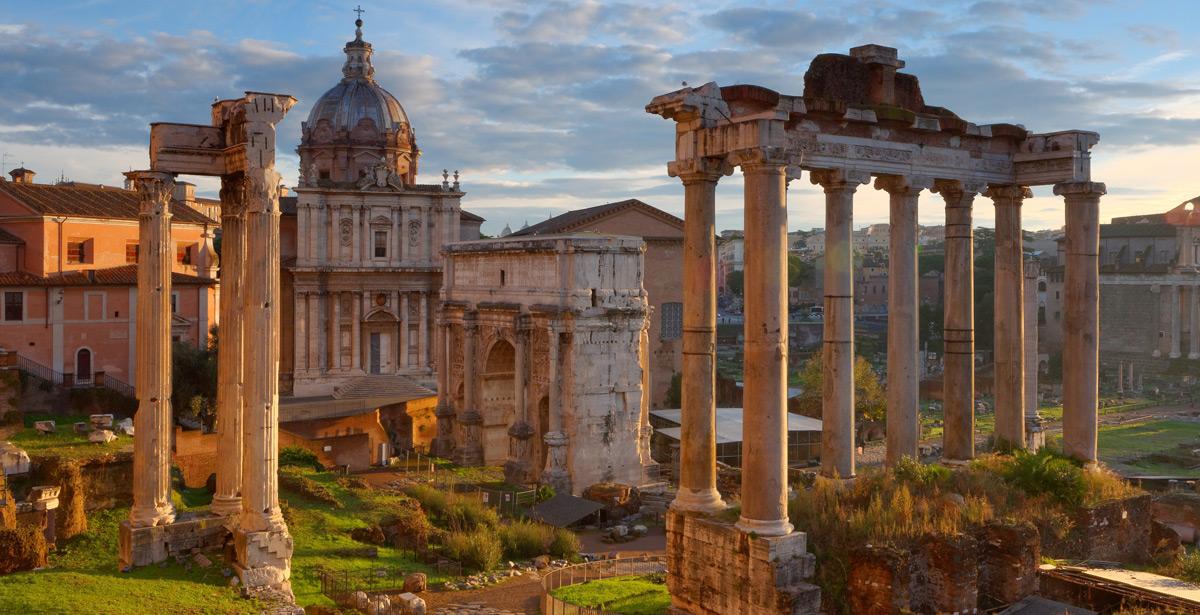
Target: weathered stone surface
x: 945, y: 577
x: 102, y: 436
x: 1009, y: 556
x: 411, y: 604
x: 13, y: 460
x: 1115, y: 531
x: 714, y: 568
x: 45, y: 426
x: 22, y: 548
x: 415, y: 582
x: 125, y: 426
x: 878, y: 580
x: 101, y: 421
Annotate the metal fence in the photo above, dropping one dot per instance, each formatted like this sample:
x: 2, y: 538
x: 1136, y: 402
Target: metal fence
x: 592, y: 571
x: 100, y: 380
x: 340, y: 585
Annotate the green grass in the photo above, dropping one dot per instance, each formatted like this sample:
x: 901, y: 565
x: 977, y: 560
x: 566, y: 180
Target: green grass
x: 64, y: 442
x: 1122, y: 445
x: 83, y: 578
x: 627, y: 595
x: 322, y: 536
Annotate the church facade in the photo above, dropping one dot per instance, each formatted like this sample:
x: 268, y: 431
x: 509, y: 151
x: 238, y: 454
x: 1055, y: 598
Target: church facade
x: 362, y: 244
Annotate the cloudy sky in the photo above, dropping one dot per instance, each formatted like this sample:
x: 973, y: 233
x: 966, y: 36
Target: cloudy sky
x: 540, y: 104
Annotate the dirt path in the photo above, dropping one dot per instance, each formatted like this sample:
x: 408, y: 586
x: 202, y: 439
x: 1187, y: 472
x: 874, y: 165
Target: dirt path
x: 518, y: 594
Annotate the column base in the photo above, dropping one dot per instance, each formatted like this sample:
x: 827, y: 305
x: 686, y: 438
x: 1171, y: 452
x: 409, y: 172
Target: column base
x: 263, y: 559
x: 226, y: 505
x: 707, y: 501
x: 1156, y: 354
x: 557, y: 478
x: 761, y: 527
x: 1174, y: 355
x: 948, y: 461
x: 1194, y: 355
x: 141, y: 546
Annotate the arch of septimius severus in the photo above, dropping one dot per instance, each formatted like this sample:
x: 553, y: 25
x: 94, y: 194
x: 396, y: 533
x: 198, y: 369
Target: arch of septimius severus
x: 857, y: 119
x: 238, y: 147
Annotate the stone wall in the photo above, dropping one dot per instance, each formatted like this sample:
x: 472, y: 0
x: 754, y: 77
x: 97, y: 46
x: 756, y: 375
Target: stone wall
x: 87, y: 485
x: 716, y: 569
x: 195, y: 455
x: 1115, y: 531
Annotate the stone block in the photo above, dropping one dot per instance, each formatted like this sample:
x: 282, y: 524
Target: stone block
x: 125, y: 426
x: 945, y: 576
x: 101, y: 436
x: 411, y: 604
x: 1009, y: 556
x: 101, y: 421
x: 263, y: 558
x: 13, y: 460
x: 415, y: 582
x: 878, y: 580
x: 141, y: 546
x: 81, y: 427
x: 45, y: 426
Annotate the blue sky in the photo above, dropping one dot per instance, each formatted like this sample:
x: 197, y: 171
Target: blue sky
x: 540, y: 104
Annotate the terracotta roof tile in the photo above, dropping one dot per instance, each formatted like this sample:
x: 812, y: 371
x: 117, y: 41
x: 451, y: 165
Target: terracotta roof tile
x: 572, y: 220
x: 90, y: 201
x: 125, y: 275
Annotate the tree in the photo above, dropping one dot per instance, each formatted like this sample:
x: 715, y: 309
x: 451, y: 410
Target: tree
x: 194, y: 381
x: 870, y: 401
x: 734, y: 281
x: 800, y: 273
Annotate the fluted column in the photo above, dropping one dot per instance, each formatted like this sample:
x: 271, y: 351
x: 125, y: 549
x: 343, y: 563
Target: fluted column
x: 443, y: 446
x: 837, y: 353
x: 903, y: 362
x: 1194, y: 332
x: 356, y: 345
x: 313, y: 343
x: 555, y: 474
x: 764, y: 420
x: 958, y: 379
x: 470, y: 419
x: 1176, y: 322
x: 153, y: 420
x: 228, y: 498
x: 1009, y: 385
x: 404, y: 330
x: 1120, y: 377
x: 1081, y: 318
x: 698, y: 453
x: 1033, y: 428
x: 335, y: 330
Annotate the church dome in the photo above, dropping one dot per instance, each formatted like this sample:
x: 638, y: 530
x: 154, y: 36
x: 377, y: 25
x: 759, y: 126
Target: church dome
x: 356, y: 126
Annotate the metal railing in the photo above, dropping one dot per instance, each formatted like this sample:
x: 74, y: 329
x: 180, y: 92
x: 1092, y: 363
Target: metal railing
x: 39, y: 371
x: 48, y: 374
x: 593, y: 571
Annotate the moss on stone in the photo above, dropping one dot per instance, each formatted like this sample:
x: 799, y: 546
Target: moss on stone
x: 22, y: 548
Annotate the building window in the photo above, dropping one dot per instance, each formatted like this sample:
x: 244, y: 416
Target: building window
x: 183, y: 255
x: 77, y: 251
x: 131, y: 252
x: 381, y: 241
x: 175, y: 302
x: 672, y: 321
x: 14, y: 305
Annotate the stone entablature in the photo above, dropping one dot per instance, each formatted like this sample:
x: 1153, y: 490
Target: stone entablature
x: 545, y: 359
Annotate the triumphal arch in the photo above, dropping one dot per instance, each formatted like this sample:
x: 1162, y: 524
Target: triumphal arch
x: 239, y: 147
x: 858, y: 119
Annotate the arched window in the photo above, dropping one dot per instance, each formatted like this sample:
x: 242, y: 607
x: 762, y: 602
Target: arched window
x: 83, y: 366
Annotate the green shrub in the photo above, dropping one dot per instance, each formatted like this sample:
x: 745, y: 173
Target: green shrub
x: 308, y: 488
x: 926, y: 475
x: 299, y: 457
x: 411, y: 526
x: 479, y: 550
x: 525, y: 539
x: 466, y: 515
x: 1046, y: 473
x: 434, y: 501
x: 564, y: 543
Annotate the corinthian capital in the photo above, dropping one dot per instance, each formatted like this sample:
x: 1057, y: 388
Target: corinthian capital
x: 1080, y: 189
x: 700, y: 169
x: 233, y: 195
x: 154, y: 190
x: 903, y: 184
x: 1008, y: 195
x: 262, y: 191
x: 836, y: 180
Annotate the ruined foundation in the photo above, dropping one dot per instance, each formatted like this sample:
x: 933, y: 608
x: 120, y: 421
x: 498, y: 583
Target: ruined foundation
x: 715, y: 569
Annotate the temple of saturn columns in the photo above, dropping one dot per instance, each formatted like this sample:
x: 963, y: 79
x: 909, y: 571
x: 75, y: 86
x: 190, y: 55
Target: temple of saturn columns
x: 238, y: 147
x: 858, y: 119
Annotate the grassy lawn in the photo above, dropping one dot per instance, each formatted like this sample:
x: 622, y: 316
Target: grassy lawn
x: 627, y: 595
x: 83, y: 578
x: 322, y: 536
x: 1122, y: 445
x: 64, y: 442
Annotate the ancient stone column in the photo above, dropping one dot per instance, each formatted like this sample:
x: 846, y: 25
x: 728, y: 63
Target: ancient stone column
x: 698, y: 455
x: 335, y: 330
x: 837, y: 355
x: 423, y: 332
x: 903, y: 362
x: 1009, y: 385
x: 1081, y: 320
x: 764, y: 419
x: 556, y: 474
x: 1176, y: 322
x: 471, y: 451
x: 517, y: 470
x: 958, y: 376
x: 1120, y: 377
x: 1033, y: 422
x: 262, y: 544
x: 404, y: 327
x: 1194, y: 332
x: 153, y: 420
x: 228, y: 498
x: 443, y: 445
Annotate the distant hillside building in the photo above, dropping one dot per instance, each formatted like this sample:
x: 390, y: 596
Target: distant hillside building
x: 68, y: 275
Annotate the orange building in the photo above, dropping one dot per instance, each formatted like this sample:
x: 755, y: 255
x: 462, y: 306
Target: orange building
x: 68, y: 275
